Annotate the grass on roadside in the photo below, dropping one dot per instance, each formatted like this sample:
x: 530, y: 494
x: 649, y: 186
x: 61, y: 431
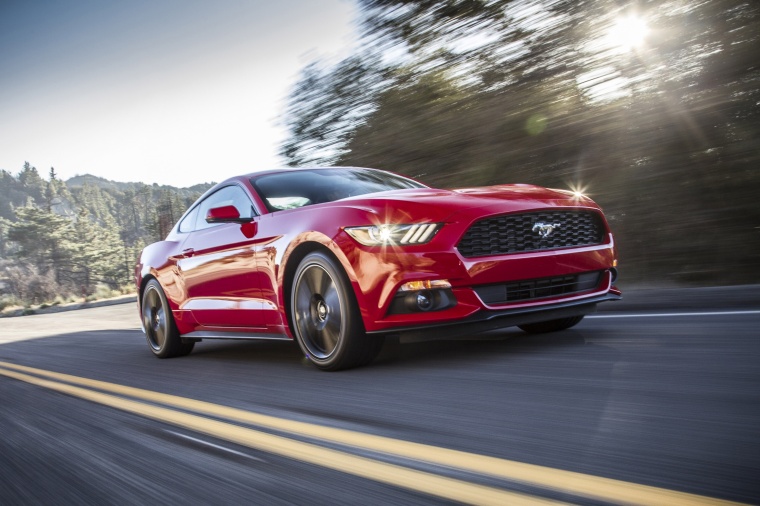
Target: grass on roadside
x: 11, y: 305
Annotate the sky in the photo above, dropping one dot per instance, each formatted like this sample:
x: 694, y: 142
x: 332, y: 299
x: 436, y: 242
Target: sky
x: 174, y: 92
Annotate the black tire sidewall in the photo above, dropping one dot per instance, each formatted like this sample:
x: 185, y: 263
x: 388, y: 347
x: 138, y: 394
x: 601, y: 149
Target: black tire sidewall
x: 172, y: 346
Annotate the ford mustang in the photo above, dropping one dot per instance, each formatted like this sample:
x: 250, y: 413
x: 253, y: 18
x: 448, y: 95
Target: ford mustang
x: 338, y: 258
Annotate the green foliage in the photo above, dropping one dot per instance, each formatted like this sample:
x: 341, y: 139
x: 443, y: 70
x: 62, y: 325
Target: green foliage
x: 42, y: 240
x: 398, y: 137
x: 470, y: 92
x: 12, y: 194
x: 32, y: 183
x: 324, y: 106
x: 63, y: 240
x: 27, y: 284
x: 5, y: 226
x: 9, y: 301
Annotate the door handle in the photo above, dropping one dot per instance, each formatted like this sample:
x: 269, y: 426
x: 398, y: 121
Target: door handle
x: 188, y: 252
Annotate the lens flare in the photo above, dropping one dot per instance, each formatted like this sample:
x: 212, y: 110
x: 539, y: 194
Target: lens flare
x: 579, y: 191
x: 628, y: 33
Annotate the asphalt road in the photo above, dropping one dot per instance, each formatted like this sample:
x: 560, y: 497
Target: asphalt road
x: 652, y: 401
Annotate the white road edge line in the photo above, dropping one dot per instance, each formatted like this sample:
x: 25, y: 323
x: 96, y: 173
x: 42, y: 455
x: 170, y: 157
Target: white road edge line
x: 653, y: 315
x: 212, y: 445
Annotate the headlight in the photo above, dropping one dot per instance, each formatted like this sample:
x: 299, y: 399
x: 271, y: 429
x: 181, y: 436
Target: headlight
x: 379, y: 235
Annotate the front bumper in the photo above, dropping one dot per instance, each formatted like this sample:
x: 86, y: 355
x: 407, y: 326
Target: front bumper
x: 484, y: 321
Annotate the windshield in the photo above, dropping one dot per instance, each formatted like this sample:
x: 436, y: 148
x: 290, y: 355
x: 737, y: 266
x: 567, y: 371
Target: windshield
x: 298, y: 188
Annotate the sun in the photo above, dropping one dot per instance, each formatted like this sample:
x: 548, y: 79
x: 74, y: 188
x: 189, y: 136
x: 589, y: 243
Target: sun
x: 628, y: 33
x: 617, y: 37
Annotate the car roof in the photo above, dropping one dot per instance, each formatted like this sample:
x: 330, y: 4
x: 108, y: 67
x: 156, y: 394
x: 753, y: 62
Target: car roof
x: 296, y: 169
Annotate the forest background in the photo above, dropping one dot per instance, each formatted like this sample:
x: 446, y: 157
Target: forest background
x: 652, y: 108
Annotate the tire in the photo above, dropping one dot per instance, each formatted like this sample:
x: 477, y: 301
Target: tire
x: 160, y: 330
x: 326, y: 320
x: 551, y: 325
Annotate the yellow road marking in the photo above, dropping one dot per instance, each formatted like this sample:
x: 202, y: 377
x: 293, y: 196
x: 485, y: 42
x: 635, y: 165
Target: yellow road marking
x: 594, y: 487
x: 447, y: 488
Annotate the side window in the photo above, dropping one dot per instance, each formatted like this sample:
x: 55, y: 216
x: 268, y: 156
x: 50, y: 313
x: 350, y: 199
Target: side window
x: 188, y: 224
x: 227, y: 196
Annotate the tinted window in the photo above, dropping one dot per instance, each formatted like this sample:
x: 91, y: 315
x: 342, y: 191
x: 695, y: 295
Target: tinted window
x: 227, y: 196
x: 188, y: 224
x: 286, y: 190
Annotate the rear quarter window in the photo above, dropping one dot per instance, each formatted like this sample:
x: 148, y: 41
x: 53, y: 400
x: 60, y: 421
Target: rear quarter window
x: 188, y: 222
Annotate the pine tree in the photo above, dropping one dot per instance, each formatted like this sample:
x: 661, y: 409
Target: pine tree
x: 32, y: 183
x: 96, y: 253
x: 43, y: 240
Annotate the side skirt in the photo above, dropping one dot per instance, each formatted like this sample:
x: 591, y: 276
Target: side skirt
x: 200, y: 335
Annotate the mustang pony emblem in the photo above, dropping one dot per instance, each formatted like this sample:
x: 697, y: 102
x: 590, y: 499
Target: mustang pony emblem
x: 545, y: 229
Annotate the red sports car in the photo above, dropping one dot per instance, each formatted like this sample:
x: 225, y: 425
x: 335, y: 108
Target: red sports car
x: 337, y: 258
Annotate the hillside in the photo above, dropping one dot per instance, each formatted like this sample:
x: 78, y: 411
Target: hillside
x: 67, y: 237
x: 107, y: 184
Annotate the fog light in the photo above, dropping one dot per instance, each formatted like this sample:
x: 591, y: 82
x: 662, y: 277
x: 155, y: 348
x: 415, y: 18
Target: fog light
x: 424, y: 300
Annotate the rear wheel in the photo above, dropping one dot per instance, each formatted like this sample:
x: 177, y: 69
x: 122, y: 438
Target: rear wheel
x: 160, y: 330
x: 552, y: 325
x: 326, y: 319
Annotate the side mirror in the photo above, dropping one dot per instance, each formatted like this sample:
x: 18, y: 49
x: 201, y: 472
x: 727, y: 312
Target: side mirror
x: 225, y: 214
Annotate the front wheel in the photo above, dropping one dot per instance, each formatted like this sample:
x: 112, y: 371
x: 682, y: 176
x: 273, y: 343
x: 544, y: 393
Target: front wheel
x: 326, y: 319
x: 552, y: 325
x: 160, y: 330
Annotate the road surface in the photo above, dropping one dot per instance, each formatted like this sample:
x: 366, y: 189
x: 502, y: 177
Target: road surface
x: 654, y: 401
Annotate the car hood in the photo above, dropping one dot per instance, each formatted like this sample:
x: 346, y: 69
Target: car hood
x: 442, y: 205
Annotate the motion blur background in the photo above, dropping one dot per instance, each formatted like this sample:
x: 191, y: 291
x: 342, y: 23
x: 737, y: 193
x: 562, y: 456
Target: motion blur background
x: 652, y: 108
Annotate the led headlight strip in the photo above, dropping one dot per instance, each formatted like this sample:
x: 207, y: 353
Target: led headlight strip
x: 379, y: 235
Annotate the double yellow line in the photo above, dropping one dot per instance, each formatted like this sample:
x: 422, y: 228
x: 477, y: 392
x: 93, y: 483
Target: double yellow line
x: 158, y: 407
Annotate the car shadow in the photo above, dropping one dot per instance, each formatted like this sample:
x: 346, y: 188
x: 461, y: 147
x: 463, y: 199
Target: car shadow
x: 129, y: 347
x: 500, y: 343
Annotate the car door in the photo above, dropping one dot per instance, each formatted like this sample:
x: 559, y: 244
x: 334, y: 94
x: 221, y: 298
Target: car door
x: 218, y: 266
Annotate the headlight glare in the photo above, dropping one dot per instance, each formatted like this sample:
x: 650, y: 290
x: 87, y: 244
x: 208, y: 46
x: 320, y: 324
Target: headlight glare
x: 382, y: 235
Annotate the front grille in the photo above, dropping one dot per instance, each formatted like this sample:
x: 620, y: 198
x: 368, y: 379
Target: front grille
x: 533, y: 289
x: 514, y: 233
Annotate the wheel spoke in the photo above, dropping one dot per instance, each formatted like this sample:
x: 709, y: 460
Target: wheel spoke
x: 148, y: 306
x: 307, y: 287
x: 148, y: 312
x: 332, y: 299
x: 315, y: 279
x: 147, y: 320
x: 333, y: 325
x: 303, y: 300
x: 325, y: 282
x: 330, y: 334
x: 160, y: 327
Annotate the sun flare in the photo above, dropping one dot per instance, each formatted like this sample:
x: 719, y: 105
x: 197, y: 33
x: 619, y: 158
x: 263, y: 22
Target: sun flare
x: 628, y: 33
